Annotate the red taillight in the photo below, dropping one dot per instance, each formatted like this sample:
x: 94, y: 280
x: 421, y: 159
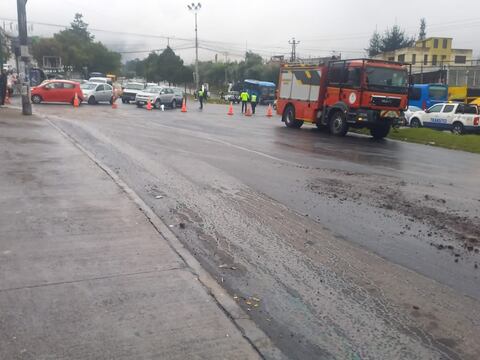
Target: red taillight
x: 424, y: 105
x: 476, y: 121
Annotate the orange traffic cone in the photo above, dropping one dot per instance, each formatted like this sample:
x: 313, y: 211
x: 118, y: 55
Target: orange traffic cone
x: 269, y: 110
x: 184, y: 105
x: 149, y: 105
x: 248, y: 111
x: 230, y: 109
x: 76, y: 102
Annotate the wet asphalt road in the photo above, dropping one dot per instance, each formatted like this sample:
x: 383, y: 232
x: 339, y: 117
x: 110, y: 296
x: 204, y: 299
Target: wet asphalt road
x: 337, y: 247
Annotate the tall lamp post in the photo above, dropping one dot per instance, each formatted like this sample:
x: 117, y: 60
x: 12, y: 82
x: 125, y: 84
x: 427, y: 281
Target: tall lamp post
x: 23, y: 37
x: 196, y: 8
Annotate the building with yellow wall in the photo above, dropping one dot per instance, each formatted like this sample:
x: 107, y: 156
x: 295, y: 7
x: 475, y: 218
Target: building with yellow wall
x: 430, y: 54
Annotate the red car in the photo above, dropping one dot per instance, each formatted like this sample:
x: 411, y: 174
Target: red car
x: 62, y: 91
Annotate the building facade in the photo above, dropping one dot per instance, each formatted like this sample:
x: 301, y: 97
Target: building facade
x: 431, y: 54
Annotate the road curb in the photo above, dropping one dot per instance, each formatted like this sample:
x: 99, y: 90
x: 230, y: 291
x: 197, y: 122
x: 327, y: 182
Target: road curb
x: 260, y: 342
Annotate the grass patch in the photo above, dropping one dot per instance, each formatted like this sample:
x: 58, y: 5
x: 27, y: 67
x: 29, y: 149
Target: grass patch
x: 470, y: 143
x: 444, y: 139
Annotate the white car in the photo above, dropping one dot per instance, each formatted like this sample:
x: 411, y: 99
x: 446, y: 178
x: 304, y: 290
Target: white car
x: 407, y: 114
x: 131, y: 90
x: 459, y: 118
x: 94, y: 93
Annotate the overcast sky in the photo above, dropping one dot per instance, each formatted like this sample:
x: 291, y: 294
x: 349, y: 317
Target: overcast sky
x: 227, y: 28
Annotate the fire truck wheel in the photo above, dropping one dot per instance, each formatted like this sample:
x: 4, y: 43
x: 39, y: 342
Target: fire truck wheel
x: 338, y: 124
x: 380, y: 131
x: 289, y: 118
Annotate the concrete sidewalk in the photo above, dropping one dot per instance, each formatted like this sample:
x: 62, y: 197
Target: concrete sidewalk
x: 83, y: 273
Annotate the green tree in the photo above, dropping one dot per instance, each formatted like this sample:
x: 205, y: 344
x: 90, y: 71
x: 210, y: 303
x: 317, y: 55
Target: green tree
x: 4, y: 48
x: 423, y: 29
x: 375, y: 44
x: 394, y: 39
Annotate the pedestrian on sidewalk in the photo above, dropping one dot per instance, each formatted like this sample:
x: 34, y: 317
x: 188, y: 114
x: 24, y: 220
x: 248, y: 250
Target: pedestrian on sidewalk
x: 244, y: 97
x: 3, y: 86
x: 254, y: 102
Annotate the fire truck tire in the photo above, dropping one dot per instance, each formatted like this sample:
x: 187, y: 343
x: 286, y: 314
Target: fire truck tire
x: 338, y: 124
x: 380, y: 131
x: 289, y: 118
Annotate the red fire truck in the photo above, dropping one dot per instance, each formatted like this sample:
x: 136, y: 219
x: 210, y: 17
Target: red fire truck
x: 358, y: 93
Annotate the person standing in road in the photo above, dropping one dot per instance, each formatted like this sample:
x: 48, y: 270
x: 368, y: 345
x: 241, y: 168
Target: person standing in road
x: 244, y: 97
x: 201, y: 94
x: 254, y: 101
x: 3, y: 86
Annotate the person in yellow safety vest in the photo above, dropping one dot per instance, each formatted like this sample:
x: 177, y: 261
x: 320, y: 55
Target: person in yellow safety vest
x: 254, y: 101
x: 201, y: 95
x: 244, y: 97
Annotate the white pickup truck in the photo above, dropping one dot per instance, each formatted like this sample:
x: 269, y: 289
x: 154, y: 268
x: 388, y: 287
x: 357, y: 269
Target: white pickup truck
x: 459, y: 118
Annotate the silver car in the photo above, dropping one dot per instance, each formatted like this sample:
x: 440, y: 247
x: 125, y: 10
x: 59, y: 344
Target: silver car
x: 158, y: 96
x: 94, y: 93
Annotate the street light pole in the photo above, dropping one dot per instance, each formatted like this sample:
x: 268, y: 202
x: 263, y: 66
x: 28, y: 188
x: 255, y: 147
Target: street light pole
x: 195, y: 8
x: 23, y: 37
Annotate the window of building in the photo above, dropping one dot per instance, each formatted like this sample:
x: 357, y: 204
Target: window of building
x: 444, y: 58
x: 425, y: 59
x: 435, y: 43
x: 401, y: 58
x: 414, y: 59
x: 424, y: 44
x: 460, y: 59
x: 434, y: 60
x: 391, y: 58
x: 445, y: 43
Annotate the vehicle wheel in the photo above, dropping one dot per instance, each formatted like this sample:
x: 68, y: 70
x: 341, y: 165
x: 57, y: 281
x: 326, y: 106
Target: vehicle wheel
x: 36, y: 99
x: 457, y: 128
x: 139, y: 105
x: 289, y: 118
x: 157, y: 104
x: 380, y: 131
x: 415, y: 123
x: 338, y: 124
x: 111, y: 100
x: 91, y: 100
x: 174, y: 104
x: 124, y: 101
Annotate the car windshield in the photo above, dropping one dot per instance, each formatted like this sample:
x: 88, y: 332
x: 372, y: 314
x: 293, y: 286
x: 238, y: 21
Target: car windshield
x: 88, y: 86
x: 153, y: 90
x: 387, y: 79
x: 134, y: 86
x: 414, y: 108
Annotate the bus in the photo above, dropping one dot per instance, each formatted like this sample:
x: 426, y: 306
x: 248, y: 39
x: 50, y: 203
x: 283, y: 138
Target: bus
x: 265, y: 90
x: 424, y: 96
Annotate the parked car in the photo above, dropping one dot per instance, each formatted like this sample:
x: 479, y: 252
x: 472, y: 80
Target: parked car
x: 232, y: 96
x: 57, y: 91
x: 131, y: 90
x: 407, y: 114
x: 101, y: 80
x: 94, y: 93
x: 459, y: 118
x: 158, y: 96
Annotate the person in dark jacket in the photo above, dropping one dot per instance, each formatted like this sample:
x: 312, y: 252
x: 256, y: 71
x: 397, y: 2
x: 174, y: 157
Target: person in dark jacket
x: 3, y: 86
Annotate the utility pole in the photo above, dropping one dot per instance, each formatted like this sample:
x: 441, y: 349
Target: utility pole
x: 294, y: 44
x: 25, y: 57
x: 196, y: 8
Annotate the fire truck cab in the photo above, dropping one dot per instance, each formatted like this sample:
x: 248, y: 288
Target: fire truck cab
x: 358, y: 93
